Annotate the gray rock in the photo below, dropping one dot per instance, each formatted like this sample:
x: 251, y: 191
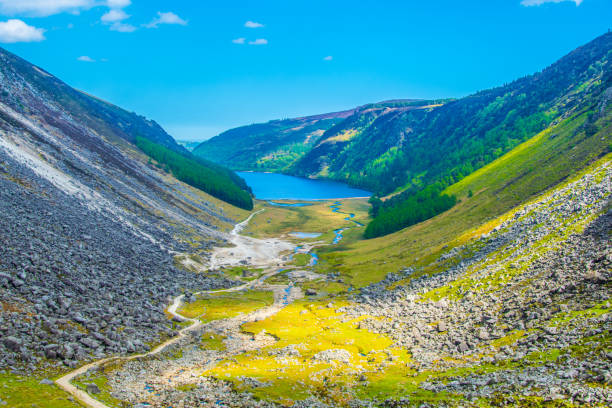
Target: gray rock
x: 12, y: 343
x: 92, y: 388
x: 333, y: 355
x: 442, y: 326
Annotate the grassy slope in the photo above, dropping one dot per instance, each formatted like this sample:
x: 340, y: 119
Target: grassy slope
x: 266, y: 146
x: 21, y: 392
x: 529, y: 169
x: 226, y: 305
x: 275, y: 221
x: 311, y: 327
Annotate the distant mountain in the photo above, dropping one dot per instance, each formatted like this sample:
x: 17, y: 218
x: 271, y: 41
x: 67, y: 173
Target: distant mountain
x: 400, y: 149
x: 414, y: 148
x: 189, y: 145
x: 92, y: 122
x: 331, y: 145
x: 270, y: 146
x: 411, y: 144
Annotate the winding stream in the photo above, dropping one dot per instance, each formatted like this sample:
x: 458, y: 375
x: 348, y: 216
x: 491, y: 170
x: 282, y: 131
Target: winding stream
x: 336, y: 208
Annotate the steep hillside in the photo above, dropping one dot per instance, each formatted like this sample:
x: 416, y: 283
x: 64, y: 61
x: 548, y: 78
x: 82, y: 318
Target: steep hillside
x: 91, y: 228
x: 531, y: 168
x: 98, y: 115
x: 416, y: 148
x: 267, y: 146
x: 279, y: 144
x: 332, y: 144
x: 510, y: 309
x: 104, y: 120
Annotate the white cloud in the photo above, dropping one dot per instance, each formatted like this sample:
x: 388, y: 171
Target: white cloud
x: 117, y: 4
x: 14, y: 31
x: 114, y: 15
x: 259, y: 41
x: 166, y: 18
x: 122, y: 27
x: 240, y: 40
x: 42, y: 8
x: 85, y: 58
x: 529, y: 3
x: 253, y: 24
x: 328, y: 58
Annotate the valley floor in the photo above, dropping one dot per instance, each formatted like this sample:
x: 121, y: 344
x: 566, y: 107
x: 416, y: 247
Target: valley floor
x: 518, y: 313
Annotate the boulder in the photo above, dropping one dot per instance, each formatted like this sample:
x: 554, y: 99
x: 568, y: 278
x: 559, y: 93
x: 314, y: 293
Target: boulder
x: 92, y: 388
x: 12, y: 343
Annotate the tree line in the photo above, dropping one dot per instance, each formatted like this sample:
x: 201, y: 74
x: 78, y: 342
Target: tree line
x: 419, y: 207
x: 208, y: 177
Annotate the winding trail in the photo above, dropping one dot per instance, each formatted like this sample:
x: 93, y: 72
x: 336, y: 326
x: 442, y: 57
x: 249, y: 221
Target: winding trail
x: 256, y: 252
x: 65, y: 382
x: 243, y: 245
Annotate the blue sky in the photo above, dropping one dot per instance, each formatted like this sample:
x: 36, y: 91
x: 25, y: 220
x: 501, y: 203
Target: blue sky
x: 201, y: 67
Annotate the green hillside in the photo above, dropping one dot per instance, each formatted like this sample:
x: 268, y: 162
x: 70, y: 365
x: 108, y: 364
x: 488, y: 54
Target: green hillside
x: 206, y: 176
x: 270, y: 146
x: 544, y: 161
x: 419, y: 147
x: 434, y: 148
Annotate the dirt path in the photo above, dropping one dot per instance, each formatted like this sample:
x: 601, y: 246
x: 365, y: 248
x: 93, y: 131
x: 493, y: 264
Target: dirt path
x: 266, y: 251
x: 83, y: 397
x: 249, y: 251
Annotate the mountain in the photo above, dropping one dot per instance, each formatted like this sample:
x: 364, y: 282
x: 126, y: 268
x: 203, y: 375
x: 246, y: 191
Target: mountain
x: 416, y: 148
x: 92, y: 229
x: 268, y: 146
x: 331, y: 145
x: 408, y: 153
x: 98, y: 115
x: 62, y: 107
x: 189, y: 145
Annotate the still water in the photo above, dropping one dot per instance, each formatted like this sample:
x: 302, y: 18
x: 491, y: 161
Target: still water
x: 272, y: 186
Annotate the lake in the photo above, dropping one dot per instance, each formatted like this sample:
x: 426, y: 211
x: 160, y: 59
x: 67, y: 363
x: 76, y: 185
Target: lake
x: 272, y: 186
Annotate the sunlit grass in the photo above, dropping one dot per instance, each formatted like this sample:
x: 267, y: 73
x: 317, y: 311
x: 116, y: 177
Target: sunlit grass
x: 226, y: 305
x: 528, y: 170
x: 21, y: 392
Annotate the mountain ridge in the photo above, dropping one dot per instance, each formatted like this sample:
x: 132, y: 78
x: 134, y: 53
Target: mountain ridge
x: 94, y: 232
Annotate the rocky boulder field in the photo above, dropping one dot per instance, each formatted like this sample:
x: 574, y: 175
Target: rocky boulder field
x: 506, y: 306
x: 90, y: 228
x: 75, y: 284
